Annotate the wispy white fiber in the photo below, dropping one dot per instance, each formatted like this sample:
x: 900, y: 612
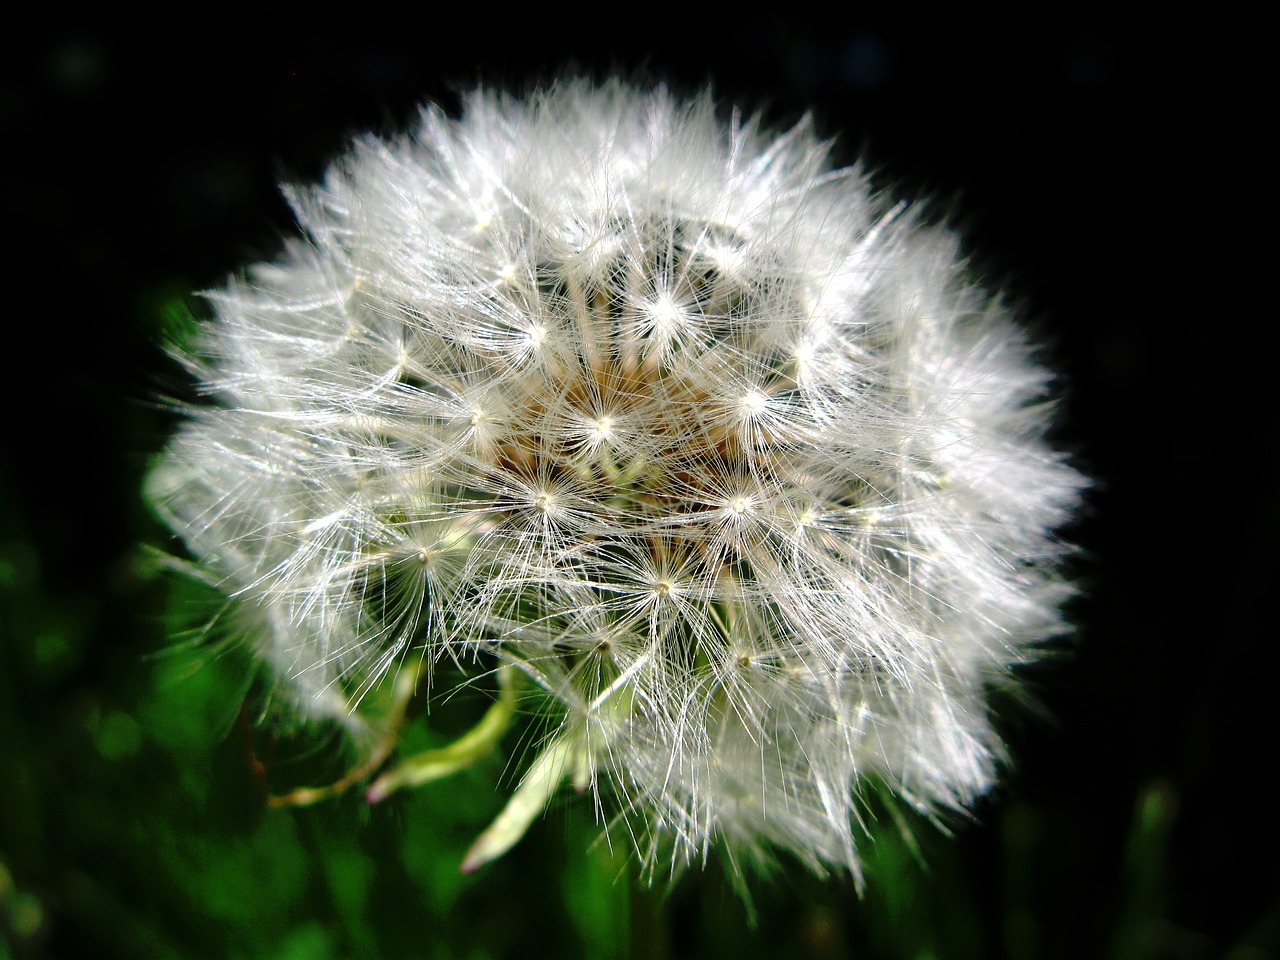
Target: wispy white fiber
x: 720, y: 446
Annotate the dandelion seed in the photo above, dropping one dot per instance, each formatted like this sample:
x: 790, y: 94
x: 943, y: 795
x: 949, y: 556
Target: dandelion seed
x: 721, y: 453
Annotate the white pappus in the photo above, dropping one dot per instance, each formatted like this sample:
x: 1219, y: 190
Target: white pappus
x: 723, y: 454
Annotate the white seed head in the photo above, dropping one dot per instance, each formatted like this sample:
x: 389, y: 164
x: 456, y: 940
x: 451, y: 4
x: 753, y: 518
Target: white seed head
x: 727, y: 454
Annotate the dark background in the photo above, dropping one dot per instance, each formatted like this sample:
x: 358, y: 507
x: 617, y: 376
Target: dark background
x: 1099, y: 176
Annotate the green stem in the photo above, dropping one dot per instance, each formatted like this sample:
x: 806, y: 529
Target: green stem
x: 529, y: 800
x: 476, y: 743
x: 573, y: 754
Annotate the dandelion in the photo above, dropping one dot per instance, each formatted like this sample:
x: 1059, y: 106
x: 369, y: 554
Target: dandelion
x: 699, y: 440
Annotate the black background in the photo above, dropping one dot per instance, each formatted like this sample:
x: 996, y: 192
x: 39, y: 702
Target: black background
x: 1099, y: 175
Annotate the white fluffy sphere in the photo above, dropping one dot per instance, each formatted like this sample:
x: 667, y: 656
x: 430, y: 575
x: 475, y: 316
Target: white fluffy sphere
x: 723, y: 450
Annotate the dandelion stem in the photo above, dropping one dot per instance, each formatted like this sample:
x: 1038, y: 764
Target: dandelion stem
x: 529, y: 800
x: 476, y: 743
x: 405, y: 687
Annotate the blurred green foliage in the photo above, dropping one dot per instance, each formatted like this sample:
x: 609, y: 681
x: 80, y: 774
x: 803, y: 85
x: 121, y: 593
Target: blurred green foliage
x: 135, y: 825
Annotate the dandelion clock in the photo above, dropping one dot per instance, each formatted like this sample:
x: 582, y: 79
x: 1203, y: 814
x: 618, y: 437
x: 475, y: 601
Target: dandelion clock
x: 711, y: 460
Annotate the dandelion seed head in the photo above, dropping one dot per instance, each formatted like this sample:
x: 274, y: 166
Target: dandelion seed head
x: 724, y: 452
